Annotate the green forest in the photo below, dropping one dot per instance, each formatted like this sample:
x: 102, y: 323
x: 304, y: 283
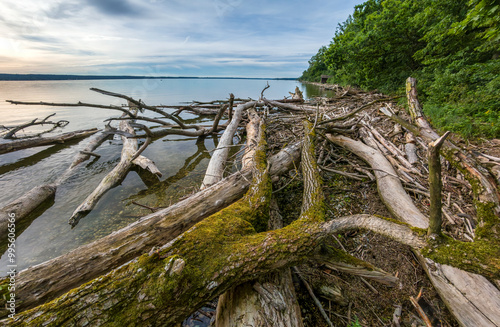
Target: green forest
x: 452, y: 47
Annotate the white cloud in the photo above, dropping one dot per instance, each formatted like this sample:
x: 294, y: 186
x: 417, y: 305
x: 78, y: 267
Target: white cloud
x: 177, y: 37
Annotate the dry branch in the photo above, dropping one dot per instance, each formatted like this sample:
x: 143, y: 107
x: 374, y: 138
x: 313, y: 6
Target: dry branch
x: 40, y: 141
x: 61, y: 123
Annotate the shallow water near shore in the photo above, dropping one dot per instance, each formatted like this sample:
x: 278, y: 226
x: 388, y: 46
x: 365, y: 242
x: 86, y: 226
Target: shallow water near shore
x: 181, y: 160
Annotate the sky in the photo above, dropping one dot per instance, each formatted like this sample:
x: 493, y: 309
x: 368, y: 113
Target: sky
x: 239, y: 38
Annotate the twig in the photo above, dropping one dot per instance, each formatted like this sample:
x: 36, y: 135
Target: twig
x: 421, y: 312
x: 315, y: 299
x: 373, y: 289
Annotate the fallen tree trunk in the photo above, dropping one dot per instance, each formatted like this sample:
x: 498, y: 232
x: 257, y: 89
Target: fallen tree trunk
x: 26, y: 204
x: 461, y: 291
x: 129, y: 156
x: 224, y: 250
x: 487, y: 196
x: 389, y: 186
x: 50, y: 279
x: 40, y: 141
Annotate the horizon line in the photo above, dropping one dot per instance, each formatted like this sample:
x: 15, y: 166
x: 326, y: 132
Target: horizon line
x: 40, y: 77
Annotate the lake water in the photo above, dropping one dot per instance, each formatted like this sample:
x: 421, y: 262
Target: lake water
x: 180, y: 159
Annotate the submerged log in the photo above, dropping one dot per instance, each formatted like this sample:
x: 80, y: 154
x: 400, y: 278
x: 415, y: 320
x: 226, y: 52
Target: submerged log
x: 23, y: 206
x: 129, y: 156
x: 40, y: 141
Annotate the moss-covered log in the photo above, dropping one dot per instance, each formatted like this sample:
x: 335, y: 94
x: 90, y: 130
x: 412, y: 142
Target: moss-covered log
x: 44, y: 282
x: 271, y: 300
x: 164, y: 286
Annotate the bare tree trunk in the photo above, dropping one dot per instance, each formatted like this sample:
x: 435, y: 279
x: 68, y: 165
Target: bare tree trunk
x: 165, y: 285
x: 40, y: 141
x: 389, y: 186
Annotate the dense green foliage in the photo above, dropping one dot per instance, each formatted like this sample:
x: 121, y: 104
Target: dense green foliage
x: 452, y: 47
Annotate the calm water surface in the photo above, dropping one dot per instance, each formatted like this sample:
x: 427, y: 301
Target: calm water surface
x: 181, y: 160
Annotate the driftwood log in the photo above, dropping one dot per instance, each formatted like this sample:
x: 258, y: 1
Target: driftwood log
x: 40, y: 141
x: 26, y: 204
x: 215, y: 169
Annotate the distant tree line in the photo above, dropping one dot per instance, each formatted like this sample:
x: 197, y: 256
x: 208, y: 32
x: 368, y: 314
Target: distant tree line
x: 452, y: 47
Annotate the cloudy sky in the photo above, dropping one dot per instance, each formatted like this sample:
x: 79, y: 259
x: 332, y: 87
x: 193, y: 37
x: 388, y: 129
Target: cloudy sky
x: 166, y: 37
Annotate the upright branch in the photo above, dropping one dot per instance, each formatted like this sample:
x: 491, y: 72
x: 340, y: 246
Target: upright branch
x: 435, y: 185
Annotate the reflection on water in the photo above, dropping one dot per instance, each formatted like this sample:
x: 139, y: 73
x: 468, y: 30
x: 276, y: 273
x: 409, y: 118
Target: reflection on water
x: 312, y: 91
x: 182, y: 160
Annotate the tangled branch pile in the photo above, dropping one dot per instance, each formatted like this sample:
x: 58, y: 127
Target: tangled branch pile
x: 320, y: 164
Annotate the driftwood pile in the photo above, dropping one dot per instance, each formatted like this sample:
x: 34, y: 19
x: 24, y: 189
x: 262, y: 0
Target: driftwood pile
x: 230, y: 241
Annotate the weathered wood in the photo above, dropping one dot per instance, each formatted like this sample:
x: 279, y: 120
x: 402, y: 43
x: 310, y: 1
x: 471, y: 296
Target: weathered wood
x: 467, y: 306
x: 389, y: 186
x: 20, y: 208
x: 159, y: 287
x: 50, y: 279
x: 411, y: 148
x: 61, y: 123
x: 40, y: 141
x: 215, y: 169
x: 271, y: 300
x: 471, y: 298
x: 26, y: 204
x: 113, y: 178
x: 485, y: 190
x: 222, y: 251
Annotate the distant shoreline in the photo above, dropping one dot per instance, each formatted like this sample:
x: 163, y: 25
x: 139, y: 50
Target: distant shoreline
x: 55, y: 77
